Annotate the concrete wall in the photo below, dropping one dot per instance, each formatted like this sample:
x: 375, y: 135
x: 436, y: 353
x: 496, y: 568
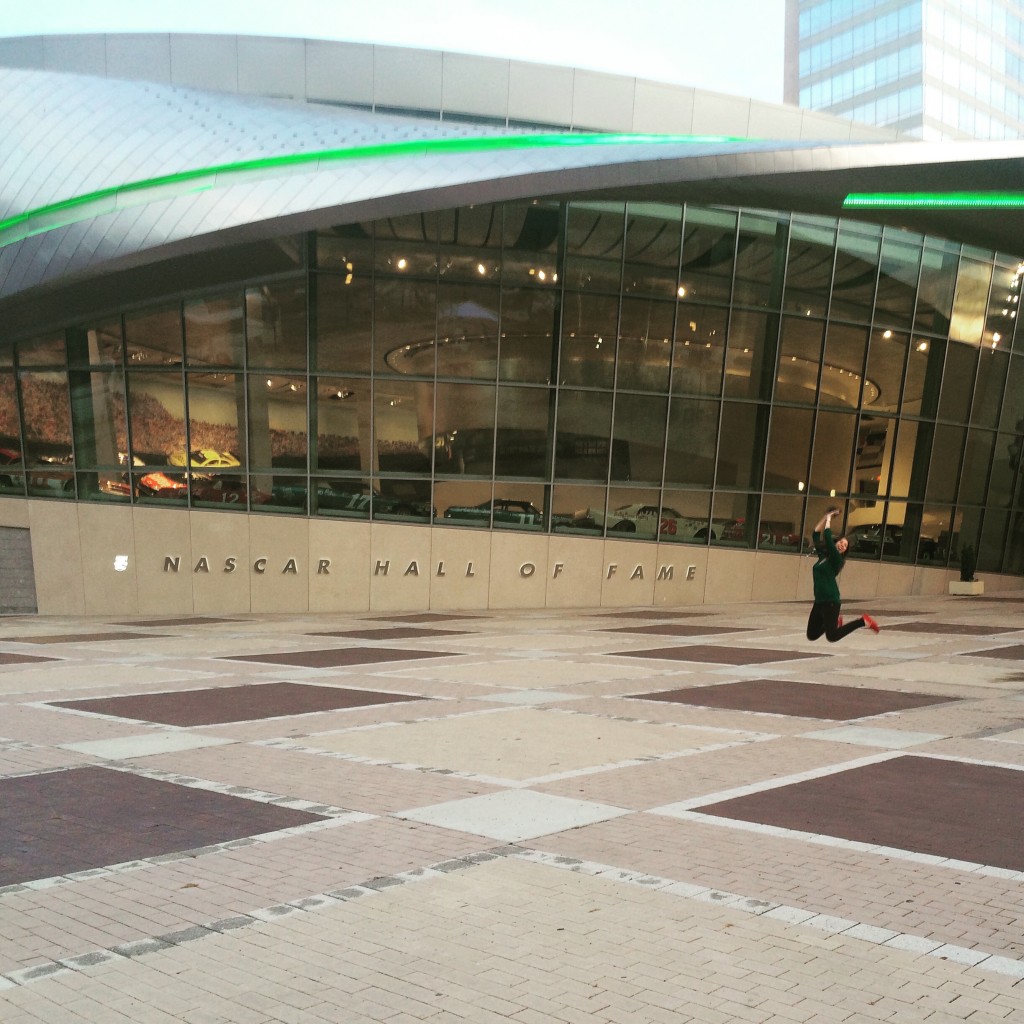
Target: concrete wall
x: 182, y: 562
x: 425, y: 81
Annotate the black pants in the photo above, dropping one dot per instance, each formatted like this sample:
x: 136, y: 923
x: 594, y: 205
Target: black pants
x: 824, y: 621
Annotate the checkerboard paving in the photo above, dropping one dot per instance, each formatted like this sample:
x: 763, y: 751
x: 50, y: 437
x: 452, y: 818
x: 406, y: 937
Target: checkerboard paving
x: 525, y: 816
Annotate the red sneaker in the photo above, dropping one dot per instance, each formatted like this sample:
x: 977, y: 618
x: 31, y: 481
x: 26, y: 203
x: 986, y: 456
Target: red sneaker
x: 870, y: 623
x: 839, y: 621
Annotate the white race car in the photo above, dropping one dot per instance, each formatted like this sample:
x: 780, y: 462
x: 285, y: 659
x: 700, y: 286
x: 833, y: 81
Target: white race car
x: 650, y: 521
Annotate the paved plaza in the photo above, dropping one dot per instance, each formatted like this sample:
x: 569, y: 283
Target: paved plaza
x: 600, y: 817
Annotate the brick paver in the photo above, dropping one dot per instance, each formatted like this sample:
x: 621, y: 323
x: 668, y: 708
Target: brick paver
x: 360, y: 912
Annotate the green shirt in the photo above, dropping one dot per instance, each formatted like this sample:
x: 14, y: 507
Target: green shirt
x: 828, y: 566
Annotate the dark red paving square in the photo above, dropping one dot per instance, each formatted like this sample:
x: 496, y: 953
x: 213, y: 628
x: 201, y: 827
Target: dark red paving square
x: 393, y: 633
x: 719, y: 655
x: 59, y: 822
x: 336, y: 657
x: 673, y: 629
x: 190, y: 620
x: 799, y: 700
x: 1013, y: 653
x: 221, y: 704
x: 7, y: 658
x: 944, y: 808
x: 951, y: 628
x: 423, y: 617
x: 79, y: 638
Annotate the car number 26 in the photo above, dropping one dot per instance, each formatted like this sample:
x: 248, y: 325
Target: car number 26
x: 667, y: 526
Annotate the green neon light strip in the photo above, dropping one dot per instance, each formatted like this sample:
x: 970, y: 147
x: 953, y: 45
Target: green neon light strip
x: 109, y: 200
x: 933, y: 200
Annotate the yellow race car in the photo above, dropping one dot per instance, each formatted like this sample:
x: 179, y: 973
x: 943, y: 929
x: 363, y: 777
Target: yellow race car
x: 204, y: 458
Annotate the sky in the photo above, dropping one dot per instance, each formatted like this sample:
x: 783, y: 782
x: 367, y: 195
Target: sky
x: 732, y: 46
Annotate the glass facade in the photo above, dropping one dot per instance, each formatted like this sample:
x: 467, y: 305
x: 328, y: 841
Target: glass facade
x: 647, y: 371
x: 931, y: 69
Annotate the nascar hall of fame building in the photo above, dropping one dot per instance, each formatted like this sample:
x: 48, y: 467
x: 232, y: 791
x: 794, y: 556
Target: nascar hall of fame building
x: 293, y: 325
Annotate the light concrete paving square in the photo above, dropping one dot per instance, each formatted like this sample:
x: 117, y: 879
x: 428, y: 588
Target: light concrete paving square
x: 867, y: 736
x: 521, y: 744
x: 145, y: 745
x: 534, y: 672
x: 514, y: 815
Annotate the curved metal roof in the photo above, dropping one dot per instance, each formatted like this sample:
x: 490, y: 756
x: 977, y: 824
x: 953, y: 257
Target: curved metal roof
x: 99, y: 175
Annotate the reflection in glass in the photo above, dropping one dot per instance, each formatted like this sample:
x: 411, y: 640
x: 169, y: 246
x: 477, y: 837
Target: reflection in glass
x: 691, y: 512
x: 760, y: 250
x: 958, y: 382
x: 344, y: 322
x: 523, y: 437
x: 156, y: 416
x: 653, y: 234
x: 809, y: 265
x: 527, y: 326
x: 779, y: 527
x: 637, y: 513
x: 406, y: 500
x: 467, y: 503
x: 582, y: 438
x: 988, y: 389
x: 645, y: 344
x: 1004, y: 488
x: 464, y: 429
x: 593, y: 247
x: 1003, y: 307
x: 45, y: 351
x: 978, y: 456
x: 750, y: 355
x: 276, y: 325
x: 923, y: 376
x: 47, y: 419
x: 589, y: 332
x: 690, y: 448
x: 796, y: 379
x: 277, y: 421
x: 346, y: 498
x: 903, y: 459
x: 403, y: 418
x: 841, y: 382
x: 898, y: 273
x: 467, y: 330
x: 518, y: 506
x: 853, y: 294
x: 709, y: 254
x: 936, y: 288
x: 833, y: 438
x: 874, y: 452
x: 405, y: 326
x: 699, y: 352
x: 578, y: 509
x: 344, y: 431
x: 992, y: 545
x: 789, y: 447
x: 887, y: 356
x: 214, y: 331
x: 100, y: 433
x: 970, y: 302
x: 741, y: 446
x: 639, y: 431
x: 153, y: 338
x: 730, y: 513
x: 12, y: 479
x: 945, y: 464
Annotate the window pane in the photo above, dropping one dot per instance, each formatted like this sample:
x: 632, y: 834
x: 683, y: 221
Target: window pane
x: 886, y: 358
x: 467, y: 330
x: 970, y: 302
x: 759, y: 254
x: 464, y: 503
x: 789, y: 444
x: 645, y: 344
x: 903, y: 460
x: 156, y: 416
x: 589, y: 330
x: 48, y: 447
x: 405, y: 326
x: 11, y: 478
x: 276, y: 326
x: 779, y: 527
x: 699, y: 352
x: 709, y: 251
x: 343, y: 498
x: 593, y: 251
x: 958, y: 382
x: 344, y: 322
x: 992, y: 545
x: 403, y: 424
x: 278, y: 421
x: 935, y: 293
x: 690, y: 451
x: 523, y: 436
x: 527, y: 325
x: 796, y: 379
x: 578, y: 509
x: 637, y: 512
x: 518, y: 506
x: 988, y: 391
x: 101, y: 433
x: 689, y: 515
x: 464, y: 426
x: 45, y: 351
x: 853, y: 291
x: 216, y: 406
x: 639, y: 432
x: 833, y: 454
x: 750, y: 355
x: 402, y: 500
x: 581, y: 439
x: 344, y: 412
x: 99, y: 345
x: 653, y: 234
x: 1003, y: 306
x: 742, y: 444
x: 841, y: 383
x: 978, y: 457
x: 214, y: 331
x: 153, y: 339
x: 809, y: 266
x: 874, y: 455
x: 898, y: 275
x: 945, y: 464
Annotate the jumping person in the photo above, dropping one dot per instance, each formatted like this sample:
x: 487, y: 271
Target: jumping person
x: 825, y: 618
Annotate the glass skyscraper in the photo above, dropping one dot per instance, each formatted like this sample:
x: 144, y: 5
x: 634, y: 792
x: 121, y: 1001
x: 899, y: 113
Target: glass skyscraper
x: 929, y: 68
